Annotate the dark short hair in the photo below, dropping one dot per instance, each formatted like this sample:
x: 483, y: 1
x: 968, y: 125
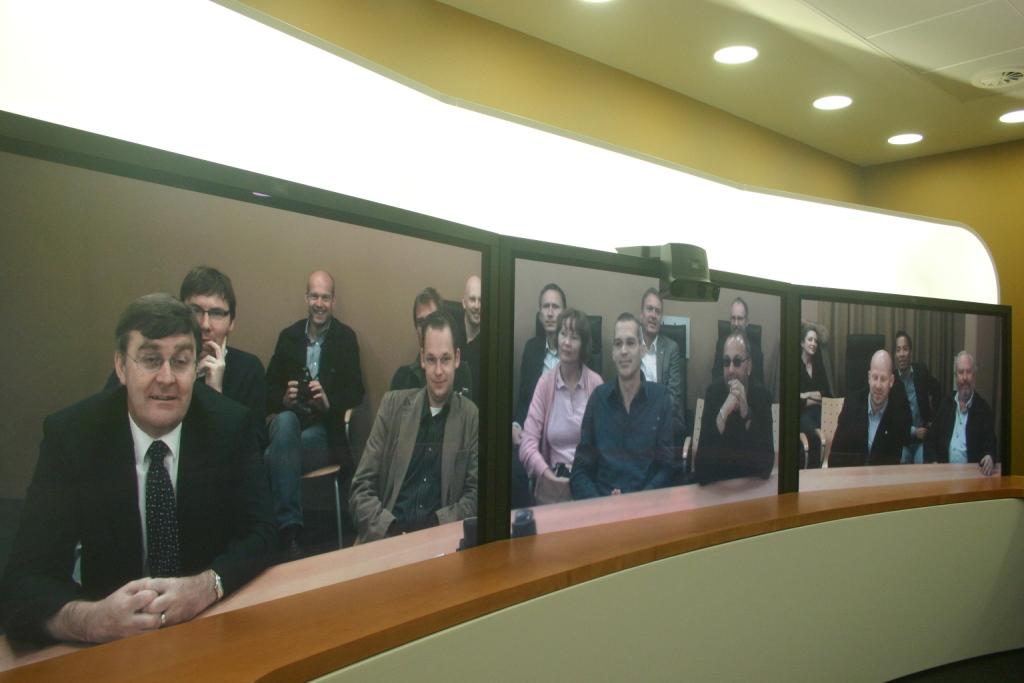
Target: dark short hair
x: 207, y: 281
x: 581, y: 324
x: 739, y: 300
x: 551, y: 287
x: 896, y: 340
x: 429, y: 295
x: 650, y: 291
x: 630, y: 318
x: 156, y: 316
x: 438, y: 320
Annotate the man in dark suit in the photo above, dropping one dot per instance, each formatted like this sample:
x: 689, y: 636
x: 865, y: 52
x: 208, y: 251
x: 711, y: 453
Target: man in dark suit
x: 873, y: 427
x: 161, y: 483
x: 312, y: 379
x: 964, y: 427
x: 540, y: 353
x: 662, y: 362
x: 920, y: 390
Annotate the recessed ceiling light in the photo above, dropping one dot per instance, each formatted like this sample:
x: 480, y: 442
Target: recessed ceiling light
x: 736, y: 54
x: 1013, y: 116
x: 832, y: 102
x: 905, y: 139
x: 261, y: 195
x: 596, y: 2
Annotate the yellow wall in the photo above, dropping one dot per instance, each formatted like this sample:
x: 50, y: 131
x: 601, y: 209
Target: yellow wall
x: 462, y: 56
x: 982, y: 188
x: 469, y: 58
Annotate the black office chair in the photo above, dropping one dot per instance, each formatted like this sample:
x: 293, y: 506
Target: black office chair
x: 859, y: 349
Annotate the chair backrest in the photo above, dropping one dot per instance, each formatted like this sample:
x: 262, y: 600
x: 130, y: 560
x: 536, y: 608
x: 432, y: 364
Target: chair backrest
x: 830, y: 409
x: 859, y: 349
x: 458, y: 314
x: 698, y: 413
x: 677, y: 333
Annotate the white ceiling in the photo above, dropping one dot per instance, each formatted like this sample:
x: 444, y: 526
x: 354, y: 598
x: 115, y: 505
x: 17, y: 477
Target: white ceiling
x: 907, y: 64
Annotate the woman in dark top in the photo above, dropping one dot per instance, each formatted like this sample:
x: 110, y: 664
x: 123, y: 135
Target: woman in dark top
x: 813, y: 386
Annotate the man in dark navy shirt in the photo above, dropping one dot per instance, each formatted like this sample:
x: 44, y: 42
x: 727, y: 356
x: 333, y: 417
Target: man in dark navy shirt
x: 626, y: 434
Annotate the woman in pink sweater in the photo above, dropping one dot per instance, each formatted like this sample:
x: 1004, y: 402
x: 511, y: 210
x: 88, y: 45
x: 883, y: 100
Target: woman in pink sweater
x: 552, y: 428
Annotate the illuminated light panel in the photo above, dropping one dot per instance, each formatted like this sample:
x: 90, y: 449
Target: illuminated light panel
x: 832, y: 102
x: 371, y: 137
x: 1013, y: 116
x: 906, y: 139
x: 736, y: 54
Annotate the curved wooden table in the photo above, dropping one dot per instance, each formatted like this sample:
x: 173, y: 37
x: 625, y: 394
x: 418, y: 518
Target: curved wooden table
x: 311, y: 633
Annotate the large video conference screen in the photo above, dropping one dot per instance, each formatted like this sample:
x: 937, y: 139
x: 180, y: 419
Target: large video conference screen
x: 894, y: 394
x: 628, y: 404
x: 79, y: 245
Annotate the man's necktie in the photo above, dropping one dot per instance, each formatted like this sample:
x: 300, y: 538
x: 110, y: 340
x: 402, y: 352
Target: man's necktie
x: 161, y: 515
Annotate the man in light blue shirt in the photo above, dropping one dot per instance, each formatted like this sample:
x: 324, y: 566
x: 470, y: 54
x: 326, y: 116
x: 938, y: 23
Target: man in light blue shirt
x: 964, y: 428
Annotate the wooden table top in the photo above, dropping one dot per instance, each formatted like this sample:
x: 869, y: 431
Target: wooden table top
x: 306, y: 618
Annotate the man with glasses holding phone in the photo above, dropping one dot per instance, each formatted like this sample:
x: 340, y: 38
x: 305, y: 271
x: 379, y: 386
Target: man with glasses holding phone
x: 237, y: 374
x: 312, y: 379
x: 736, y: 427
x: 419, y: 468
x: 161, y: 483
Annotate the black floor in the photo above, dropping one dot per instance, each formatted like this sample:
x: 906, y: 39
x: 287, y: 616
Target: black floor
x: 1003, y: 666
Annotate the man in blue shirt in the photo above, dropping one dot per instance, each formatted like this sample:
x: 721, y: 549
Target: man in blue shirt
x: 626, y: 434
x: 964, y: 428
x: 873, y: 426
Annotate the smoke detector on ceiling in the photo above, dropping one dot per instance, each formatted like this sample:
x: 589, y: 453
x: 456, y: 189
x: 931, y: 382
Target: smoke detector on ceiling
x: 997, y: 79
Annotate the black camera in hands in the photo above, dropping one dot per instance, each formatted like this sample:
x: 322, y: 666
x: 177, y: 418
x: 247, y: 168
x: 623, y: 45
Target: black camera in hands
x: 305, y: 393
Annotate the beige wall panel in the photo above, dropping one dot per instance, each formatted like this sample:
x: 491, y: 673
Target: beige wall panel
x: 862, y: 599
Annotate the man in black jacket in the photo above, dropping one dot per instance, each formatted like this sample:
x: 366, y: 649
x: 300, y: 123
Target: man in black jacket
x: 964, y: 428
x: 161, y: 483
x: 873, y: 426
x: 921, y: 391
x: 736, y: 438
x: 312, y: 379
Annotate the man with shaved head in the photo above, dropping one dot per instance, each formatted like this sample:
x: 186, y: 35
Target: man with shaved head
x: 964, y: 428
x: 872, y: 428
x: 471, y: 304
x: 312, y: 379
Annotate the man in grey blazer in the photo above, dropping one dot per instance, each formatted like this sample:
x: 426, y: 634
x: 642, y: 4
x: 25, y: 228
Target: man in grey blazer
x: 662, y: 363
x: 419, y: 468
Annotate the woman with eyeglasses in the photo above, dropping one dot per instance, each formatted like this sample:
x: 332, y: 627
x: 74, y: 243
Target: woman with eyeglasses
x: 813, y: 387
x: 552, y: 429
